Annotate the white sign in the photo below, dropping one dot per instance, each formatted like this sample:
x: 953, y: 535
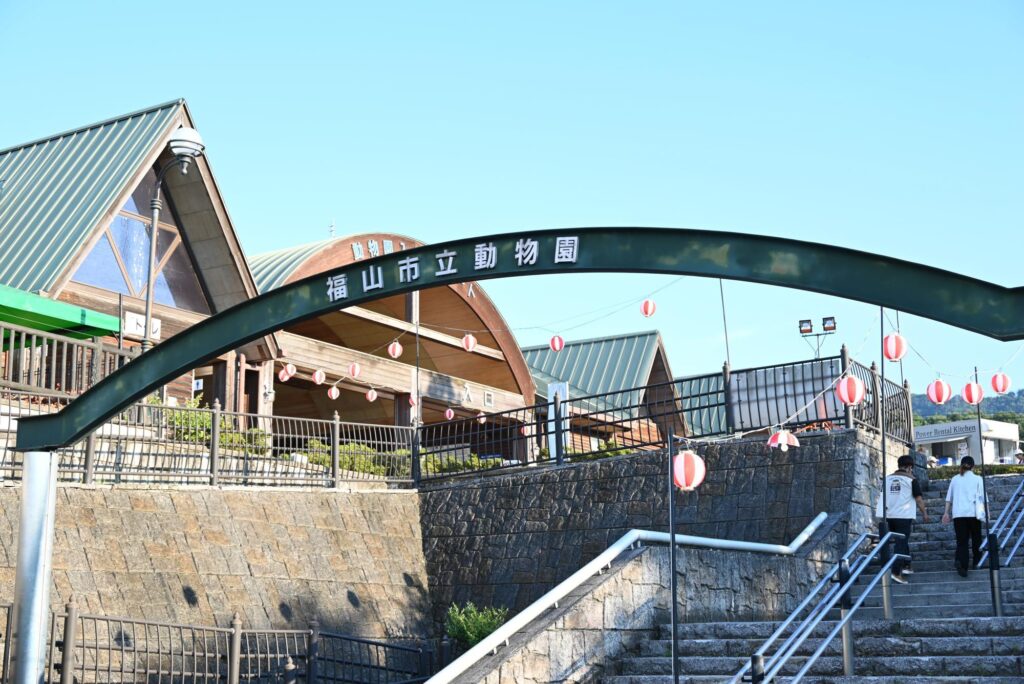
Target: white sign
x: 134, y: 324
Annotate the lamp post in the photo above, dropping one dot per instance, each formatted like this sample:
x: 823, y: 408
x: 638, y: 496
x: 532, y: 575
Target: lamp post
x: 186, y: 145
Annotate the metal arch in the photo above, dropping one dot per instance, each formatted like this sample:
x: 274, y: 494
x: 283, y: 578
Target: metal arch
x: 944, y: 296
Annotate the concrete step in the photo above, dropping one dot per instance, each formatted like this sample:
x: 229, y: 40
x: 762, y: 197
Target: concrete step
x: 1008, y: 576
x: 936, y: 612
x: 915, y: 679
x: 933, y: 600
x: 972, y: 583
x: 958, y: 666
x: 898, y: 646
x: 910, y: 627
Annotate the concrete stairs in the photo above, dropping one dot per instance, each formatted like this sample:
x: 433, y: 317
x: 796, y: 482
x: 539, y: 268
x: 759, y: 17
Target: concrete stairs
x: 942, y: 629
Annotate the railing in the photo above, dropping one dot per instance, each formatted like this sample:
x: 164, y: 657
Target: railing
x: 1004, y: 529
x: 835, y: 589
x: 34, y: 360
x: 521, y: 620
x: 94, y: 649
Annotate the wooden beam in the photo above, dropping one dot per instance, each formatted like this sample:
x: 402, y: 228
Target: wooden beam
x: 425, y: 333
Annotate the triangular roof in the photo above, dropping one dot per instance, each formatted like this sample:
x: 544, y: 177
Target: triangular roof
x: 58, y: 189
x: 597, y: 366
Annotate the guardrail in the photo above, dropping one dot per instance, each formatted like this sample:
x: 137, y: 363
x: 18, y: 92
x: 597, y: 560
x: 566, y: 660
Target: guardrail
x: 89, y: 649
x: 1006, y: 527
x: 521, y: 620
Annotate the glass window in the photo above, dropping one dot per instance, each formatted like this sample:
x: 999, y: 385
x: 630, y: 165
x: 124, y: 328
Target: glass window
x: 100, y: 269
x: 131, y: 239
x: 138, y: 202
x: 177, y: 284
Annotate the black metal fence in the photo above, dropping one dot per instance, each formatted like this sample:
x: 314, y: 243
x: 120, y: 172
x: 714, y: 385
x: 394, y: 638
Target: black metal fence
x: 94, y: 649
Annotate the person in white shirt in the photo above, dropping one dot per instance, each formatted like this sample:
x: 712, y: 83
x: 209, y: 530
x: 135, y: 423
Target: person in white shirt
x: 903, y: 494
x: 965, y: 500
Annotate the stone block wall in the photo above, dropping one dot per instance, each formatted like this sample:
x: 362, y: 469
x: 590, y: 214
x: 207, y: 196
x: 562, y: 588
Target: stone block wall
x: 196, y: 555
x: 505, y: 540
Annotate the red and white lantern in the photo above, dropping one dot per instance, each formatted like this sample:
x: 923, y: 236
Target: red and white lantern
x: 412, y: 400
x: 283, y: 376
x: 1001, y: 383
x: 939, y: 392
x: 894, y: 346
x: 371, y: 394
x: 783, y: 440
x: 557, y: 343
x: 449, y: 413
x: 850, y: 390
x: 688, y: 470
x: 481, y: 417
x: 319, y: 376
x: 395, y: 349
x: 972, y: 393
x: 290, y: 368
x: 354, y: 369
x: 524, y: 431
x: 647, y: 308
x: 333, y: 392
x: 468, y: 342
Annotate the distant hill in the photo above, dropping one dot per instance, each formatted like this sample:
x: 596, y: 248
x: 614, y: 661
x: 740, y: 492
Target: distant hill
x: 1012, y: 402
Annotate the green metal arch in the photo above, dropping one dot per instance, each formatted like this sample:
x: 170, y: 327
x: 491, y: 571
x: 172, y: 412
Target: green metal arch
x: 944, y: 296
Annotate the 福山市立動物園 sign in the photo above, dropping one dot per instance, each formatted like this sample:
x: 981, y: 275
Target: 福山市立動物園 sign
x: 958, y: 300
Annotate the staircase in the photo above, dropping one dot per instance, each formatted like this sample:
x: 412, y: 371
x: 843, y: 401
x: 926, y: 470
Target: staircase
x: 942, y: 629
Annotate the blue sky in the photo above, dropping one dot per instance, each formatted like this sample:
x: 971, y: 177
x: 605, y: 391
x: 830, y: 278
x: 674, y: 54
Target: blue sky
x: 889, y: 127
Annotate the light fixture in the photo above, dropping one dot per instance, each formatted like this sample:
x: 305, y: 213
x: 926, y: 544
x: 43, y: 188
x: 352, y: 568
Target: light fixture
x: 828, y: 324
x: 806, y: 327
x: 186, y: 144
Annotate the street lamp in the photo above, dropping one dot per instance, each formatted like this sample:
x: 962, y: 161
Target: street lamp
x: 828, y: 326
x: 185, y: 144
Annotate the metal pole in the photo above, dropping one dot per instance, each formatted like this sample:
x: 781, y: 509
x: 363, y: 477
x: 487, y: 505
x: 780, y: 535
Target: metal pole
x: 993, y: 540
x: 883, y: 524
x: 725, y: 325
x: 845, y: 604
x: 34, y: 565
x: 336, y: 450
x: 214, y: 444
x: 672, y: 557
x: 559, y: 447
x: 235, y: 650
x: 67, y: 648
x: 154, y: 231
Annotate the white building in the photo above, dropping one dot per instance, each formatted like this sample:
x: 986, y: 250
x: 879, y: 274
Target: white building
x: 949, y: 442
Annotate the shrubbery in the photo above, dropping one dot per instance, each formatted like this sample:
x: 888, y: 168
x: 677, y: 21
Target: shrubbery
x: 947, y: 472
x: 470, y: 625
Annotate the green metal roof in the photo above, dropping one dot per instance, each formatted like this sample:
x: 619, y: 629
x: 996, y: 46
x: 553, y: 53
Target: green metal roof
x: 703, y: 401
x: 57, y: 189
x: 597, y: 366
x: 272, y: 269
x: 33, y: 311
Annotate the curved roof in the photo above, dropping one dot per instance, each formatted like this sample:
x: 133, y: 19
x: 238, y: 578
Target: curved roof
x: 272, y: 269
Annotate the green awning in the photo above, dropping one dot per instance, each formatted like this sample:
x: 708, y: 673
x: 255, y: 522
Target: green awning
x: 47, y: 315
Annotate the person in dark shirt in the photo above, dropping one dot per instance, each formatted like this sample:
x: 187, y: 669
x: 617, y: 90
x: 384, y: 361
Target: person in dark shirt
x: 903, y: 493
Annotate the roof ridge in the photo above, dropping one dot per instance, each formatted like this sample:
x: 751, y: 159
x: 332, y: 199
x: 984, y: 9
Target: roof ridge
x: 98, y: 124
x: 293, y: 248
x: 607, y: 338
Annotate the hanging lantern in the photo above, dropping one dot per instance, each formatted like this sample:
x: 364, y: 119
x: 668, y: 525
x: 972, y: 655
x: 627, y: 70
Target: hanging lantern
x: 449, y: 413
x: 647, y: 308
x: 783, y: 439
x: 894, y: 346
x: 371, y: 394
x: 688, y: 470
x: 1001, y: 383
x: 333, y: 392
x: 290, y: 368
x: 412, y: 400
x: 850, y: 390
x: 557, y: 343
x: 939, y: 392
x: 481, y: 417
x: 972, y: 393
x: 395, y: 349
x: 283, y: 376
x: 524, y: 431
x: 469, y: 342
x: 354, y: 369
x: 319, y: 376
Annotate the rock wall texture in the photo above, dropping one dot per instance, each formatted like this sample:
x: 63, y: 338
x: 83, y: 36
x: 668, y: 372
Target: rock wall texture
x: 612, y: 613
x: 196, y: 555
x: 505, y: 540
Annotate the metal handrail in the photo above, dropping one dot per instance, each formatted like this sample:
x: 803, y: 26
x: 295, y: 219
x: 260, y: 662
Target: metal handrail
x: 803, y: 631
x: 1014, y: 505
x: 501, y: 636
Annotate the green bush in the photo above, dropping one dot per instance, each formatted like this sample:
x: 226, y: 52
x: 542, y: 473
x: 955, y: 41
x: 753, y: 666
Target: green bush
x: 435, y: 465
x: 470, y: 625
x: 252, y: 441
x: 352, y: 456
x: 947, y: 472
x: 605, y: 449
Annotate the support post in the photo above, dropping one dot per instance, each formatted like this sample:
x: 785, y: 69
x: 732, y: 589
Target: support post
x: 727, y: 396
x: 559, y: 435
x: 34, y: 566
x: 415, y: 470
x: 757, y: 669
x: 215, y: 444
x: 993, y: 570
x: 90, y: 458
x: 291, y: 675
x: 235, y: 650
x: 336, y: 450
x: 993, y: 539
x: 844, y: 360
x: 672, y: 558
x: 845, y: 604
x: 67, y: 644
x: 313, y: 652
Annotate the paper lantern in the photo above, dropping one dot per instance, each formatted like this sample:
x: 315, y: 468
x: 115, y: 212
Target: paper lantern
x: 395, y: 349
x: 972, y: 393
x: 524, y: 431
x: 333, y: 392
x: 319, y: 376
x: 290, y: 368
x: 481, y: 417
x: 939, y: 391
x: 412, y: 400
x: 688, y: 470
x: 1001, y: 383
x: 283, y: 376
x: 354, y: 369
x: 557, y: 343
x: 469, y: 342
x: 449, y: 413
x: 783, y: 440
x: 647, y: 308
x: 894, y: 346
x: 850, y: 390
x: 371, y: 394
